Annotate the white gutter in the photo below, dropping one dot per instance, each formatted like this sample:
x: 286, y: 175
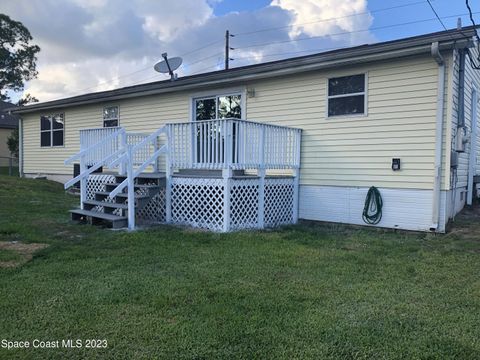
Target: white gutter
x: 438, y: 136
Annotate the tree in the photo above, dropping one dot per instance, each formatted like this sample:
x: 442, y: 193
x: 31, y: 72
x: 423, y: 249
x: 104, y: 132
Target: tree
x: 17, y: 56
x: 13, y: 139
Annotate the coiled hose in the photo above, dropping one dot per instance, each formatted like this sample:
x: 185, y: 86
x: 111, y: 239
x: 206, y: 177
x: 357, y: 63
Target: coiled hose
x: 372, y: 211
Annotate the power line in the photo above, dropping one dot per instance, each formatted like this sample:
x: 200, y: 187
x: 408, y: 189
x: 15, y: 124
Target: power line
x: 150, y: 67
x: 472, y: 20
x: 472, y: 61
x: 330, y: 19
x: 348, y: 32
x: 189, y: 64
x: 303, y: 51
x: 202, y: 47
x: 438, y: 17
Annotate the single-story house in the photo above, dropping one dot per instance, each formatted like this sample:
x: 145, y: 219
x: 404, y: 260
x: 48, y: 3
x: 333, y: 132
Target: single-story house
x: 8, y: 123
x: 266, y: 144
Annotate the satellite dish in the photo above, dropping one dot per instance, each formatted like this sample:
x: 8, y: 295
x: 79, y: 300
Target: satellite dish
x: 168, y: 66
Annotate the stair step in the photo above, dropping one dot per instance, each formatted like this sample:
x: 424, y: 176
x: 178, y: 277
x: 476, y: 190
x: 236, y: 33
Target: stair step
x: 139, y: 186
x: 156, y: 175
x: 116, y: 221
x: 122, y: 195
x: 106, y: 204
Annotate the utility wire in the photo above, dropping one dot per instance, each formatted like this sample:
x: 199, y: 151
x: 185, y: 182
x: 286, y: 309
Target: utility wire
x: 472, y: 20
x: 150, y: 67
x: 472, y: 61
x: 438, y: 17
x: 303, y: 51
x: 348, y: 32
x: 253, y: 32
x: 140, y: 81
x: 330, y: 19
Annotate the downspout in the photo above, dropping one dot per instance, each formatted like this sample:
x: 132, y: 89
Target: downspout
x: 438, y: 136
x: 20, y: 147
x: 460, y: 137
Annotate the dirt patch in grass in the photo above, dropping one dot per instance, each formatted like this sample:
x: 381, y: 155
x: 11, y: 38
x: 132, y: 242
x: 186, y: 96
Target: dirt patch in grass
x: 16, y: 253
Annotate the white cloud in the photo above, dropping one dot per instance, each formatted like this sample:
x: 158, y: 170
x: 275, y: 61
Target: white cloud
x: 93, y: 45
x: 323, y: 17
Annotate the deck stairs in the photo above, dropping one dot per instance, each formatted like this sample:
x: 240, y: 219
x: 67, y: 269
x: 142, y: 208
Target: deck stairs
x: 113, y: 211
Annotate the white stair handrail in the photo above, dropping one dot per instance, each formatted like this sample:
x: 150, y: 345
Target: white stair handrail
x: 151, y: 160
x: 92, y: 169
x: 128, y: 157
x: 94, y: 146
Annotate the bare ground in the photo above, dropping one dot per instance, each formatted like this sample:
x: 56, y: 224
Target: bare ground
x: 24, y: 250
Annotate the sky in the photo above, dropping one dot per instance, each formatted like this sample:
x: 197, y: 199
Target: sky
x: 95, y: 45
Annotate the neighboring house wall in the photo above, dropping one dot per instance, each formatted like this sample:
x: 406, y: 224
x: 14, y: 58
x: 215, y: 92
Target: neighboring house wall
x: 456, y: 197
x: 341, y: 156
x: 4, y: 134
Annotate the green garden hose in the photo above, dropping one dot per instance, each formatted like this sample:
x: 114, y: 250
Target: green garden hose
x: 372, y: 211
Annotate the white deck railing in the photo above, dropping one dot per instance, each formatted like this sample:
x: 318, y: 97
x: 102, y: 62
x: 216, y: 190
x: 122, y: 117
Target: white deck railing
x: 214, y: 144
x: 233, y: 143
x: 101, y: 143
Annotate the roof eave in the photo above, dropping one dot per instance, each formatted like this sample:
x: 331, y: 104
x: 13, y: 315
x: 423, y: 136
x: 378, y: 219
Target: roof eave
x: 382, y: 51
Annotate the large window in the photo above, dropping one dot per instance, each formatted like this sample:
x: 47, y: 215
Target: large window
x: 346, y: 95
x: 52, y: 130
x: 110, y: 116
x: 218, y: 107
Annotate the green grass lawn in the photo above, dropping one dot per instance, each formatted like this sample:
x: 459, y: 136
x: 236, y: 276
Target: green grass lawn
x: 310, y: 291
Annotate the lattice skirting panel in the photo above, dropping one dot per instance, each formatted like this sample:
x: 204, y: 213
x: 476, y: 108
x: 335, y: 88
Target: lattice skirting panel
x: 96, y: 183
x: 198, y: 202
x: 154, y: 212
x: 244, y: 203
x: 279, y: 201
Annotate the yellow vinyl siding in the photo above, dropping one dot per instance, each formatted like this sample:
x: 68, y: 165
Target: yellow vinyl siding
x: 143, y: 114
x: 337, y: 151
x: 358, y: 150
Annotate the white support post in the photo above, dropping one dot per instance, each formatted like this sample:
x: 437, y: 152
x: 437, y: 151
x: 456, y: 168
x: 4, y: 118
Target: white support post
x: 296, y: 175
x: 261, y: 187
x: 168, y: 179
x: 123, y: 145
x: 296, y: 185
x: 83, y: 181
x: 261, y: 199
x: 155, y: 148
x: 227, y: 175
x: 131, y: 190
x: 228, y: 145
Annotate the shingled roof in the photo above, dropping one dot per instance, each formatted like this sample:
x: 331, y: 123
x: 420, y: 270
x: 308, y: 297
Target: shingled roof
x: 330, y: 59
x: 7, y: 120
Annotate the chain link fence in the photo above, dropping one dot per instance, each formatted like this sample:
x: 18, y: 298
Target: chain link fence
x: 9, y: 166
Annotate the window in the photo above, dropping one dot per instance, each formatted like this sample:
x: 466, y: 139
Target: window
x: 51, y: 130
x: 110, y: 116
x: 219, y: 107
x: 346, y: 95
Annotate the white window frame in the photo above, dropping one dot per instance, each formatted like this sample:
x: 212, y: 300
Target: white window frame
x: 216, y: 95
x: 52, y: 130
x: 117, y: 118
x: 364, y: 93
